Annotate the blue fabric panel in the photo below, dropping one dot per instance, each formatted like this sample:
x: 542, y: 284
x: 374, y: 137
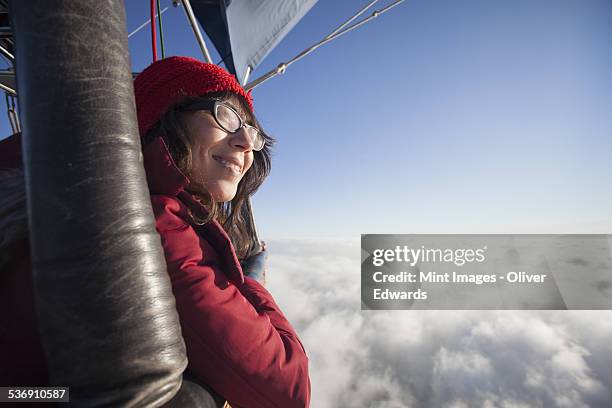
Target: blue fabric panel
x: 245, y: 31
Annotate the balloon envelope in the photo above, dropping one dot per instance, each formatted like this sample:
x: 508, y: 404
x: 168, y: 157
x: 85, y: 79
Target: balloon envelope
x: 244, y: 32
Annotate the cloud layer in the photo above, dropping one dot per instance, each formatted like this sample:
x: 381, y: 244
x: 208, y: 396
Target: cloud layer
x: 392, y: 359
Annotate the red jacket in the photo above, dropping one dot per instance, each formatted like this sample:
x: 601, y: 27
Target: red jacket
x: 238, y: 340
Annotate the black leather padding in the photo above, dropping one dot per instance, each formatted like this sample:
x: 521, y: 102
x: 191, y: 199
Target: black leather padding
x: 107, y: 315
x: 193, y: 394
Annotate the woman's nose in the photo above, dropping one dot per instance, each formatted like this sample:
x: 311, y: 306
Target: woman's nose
x: 242, y: 140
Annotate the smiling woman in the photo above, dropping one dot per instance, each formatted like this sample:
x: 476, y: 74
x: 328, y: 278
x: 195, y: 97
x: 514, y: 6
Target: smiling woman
x: 205, y: 154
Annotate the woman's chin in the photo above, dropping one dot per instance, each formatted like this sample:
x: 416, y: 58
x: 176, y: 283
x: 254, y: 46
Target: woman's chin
x: 222, y: 191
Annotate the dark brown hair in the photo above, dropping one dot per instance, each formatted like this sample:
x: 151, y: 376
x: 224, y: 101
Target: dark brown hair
x: 232, y: 214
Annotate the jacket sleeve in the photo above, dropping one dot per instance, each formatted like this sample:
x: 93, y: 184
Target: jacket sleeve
x: 238, y: 340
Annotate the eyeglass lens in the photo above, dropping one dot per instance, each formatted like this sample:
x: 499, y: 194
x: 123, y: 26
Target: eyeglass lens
x: 230, y: 121
x: 228, y: 118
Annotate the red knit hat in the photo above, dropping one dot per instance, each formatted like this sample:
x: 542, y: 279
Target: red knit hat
x: 166, y: 82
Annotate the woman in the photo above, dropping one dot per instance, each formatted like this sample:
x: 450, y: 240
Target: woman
x: 204, y: 155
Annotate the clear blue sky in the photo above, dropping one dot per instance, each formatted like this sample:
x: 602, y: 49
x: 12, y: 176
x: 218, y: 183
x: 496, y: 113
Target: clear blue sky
x: 439, y: 116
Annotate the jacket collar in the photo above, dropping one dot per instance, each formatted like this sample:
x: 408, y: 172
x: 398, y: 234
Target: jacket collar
x: 164, y: 177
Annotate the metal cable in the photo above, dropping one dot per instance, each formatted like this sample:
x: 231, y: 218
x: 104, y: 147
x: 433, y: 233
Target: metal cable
x: 143, y: 25
x: 196, y: 30
x: 7, y: 53
x: 12, y: 113
x: 280, y: 69
x: 7, y: 89
x: 161, y: 30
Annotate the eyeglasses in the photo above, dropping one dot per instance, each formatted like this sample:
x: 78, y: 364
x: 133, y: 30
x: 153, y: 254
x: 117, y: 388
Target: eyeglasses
x: 228, y: 119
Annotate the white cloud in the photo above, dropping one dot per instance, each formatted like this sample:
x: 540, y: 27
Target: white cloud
x: 390, y: 359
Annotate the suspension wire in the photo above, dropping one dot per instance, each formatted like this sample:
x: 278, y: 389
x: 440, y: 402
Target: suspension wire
x: 7, y: 89
x: 350, y: 20
x: 255, y: 241
x: 12, y: 113
x: 280, y: 69
x: 143, y: 25
x: 153, y: 36
x: 6, y: 53
x: 161, y: 30
x: 196, y: 30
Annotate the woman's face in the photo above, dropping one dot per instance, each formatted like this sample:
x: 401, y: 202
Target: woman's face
x: 220, y: 159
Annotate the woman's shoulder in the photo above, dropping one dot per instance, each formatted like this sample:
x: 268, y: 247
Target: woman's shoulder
x: 170, y: 212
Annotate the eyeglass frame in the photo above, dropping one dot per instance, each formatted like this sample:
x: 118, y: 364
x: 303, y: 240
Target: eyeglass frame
x: 211, y: 106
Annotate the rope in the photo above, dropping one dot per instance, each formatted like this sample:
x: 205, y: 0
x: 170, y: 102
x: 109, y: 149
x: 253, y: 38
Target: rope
x: 153, y: 36
x: 161, y: 30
